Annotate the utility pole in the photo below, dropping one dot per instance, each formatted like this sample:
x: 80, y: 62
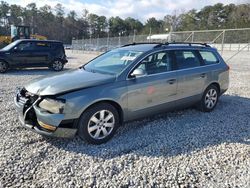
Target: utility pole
x: 134, y: 35
x: 150, y: 33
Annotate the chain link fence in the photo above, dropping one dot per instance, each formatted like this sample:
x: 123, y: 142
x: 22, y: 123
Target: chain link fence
x: 228, y: 39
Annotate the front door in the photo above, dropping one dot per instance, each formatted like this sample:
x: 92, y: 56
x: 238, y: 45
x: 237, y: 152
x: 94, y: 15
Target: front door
x: 21, y: 55
x: 155, y: 90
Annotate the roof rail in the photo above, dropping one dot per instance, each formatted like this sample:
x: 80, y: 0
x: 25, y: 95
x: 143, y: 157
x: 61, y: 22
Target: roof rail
x: 189, y: 43
x: 134, y: 43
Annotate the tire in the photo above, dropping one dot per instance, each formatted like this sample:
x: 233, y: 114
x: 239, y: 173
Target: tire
x: 95, y: 120
x: 4, y: 66
x: 57, y: 65
x: 209, y: 99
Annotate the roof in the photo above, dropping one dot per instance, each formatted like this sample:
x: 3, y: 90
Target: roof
x: 35, y: 40
x: 143, y: 47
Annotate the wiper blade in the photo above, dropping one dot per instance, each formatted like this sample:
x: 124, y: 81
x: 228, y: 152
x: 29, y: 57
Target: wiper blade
x: 82, y: 67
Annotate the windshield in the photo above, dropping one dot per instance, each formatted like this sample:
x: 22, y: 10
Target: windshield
x: 112, y: 62
x: 11, y: 45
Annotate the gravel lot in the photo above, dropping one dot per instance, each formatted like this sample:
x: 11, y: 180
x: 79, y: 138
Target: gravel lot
x: 185, y: 148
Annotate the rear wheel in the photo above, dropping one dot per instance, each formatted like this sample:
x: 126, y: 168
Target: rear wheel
x: 209, y: 99
x: 57, y: 65
x: 3, y: 66
x: 98, y: 124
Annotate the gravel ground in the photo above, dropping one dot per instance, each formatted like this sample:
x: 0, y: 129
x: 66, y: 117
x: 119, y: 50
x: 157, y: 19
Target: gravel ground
x: 185, y: 148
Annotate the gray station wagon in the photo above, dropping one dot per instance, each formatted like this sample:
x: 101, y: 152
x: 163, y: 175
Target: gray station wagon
x: 127, y: 83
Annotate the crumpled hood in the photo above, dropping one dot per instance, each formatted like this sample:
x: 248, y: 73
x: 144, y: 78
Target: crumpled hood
x: 67, y: 81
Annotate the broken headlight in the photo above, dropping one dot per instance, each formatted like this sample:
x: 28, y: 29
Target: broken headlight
x: 55, y: 106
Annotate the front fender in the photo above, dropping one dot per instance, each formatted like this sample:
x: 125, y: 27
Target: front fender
x: 77, y: 102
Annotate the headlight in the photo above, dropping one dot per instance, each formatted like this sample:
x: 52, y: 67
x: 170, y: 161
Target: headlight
x: 55, y: 106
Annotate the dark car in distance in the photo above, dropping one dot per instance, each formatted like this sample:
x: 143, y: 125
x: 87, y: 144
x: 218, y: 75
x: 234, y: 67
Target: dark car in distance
x: 28, y: 53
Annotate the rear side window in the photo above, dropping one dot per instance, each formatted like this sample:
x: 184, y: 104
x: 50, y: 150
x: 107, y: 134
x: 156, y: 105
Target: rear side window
x: 157, y: 63
x: 187, y: 59
x: 42, y: 46
x: 209, y: 57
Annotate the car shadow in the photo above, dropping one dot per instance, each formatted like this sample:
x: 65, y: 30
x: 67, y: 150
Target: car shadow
x: 173, y: 133
x: 31, y: 71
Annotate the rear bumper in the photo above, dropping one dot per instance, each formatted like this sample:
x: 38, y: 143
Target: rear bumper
x: 47, y: 118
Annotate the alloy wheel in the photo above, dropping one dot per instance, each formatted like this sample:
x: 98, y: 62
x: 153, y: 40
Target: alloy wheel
x: 101, y: 124
x: 57, y: 65
x: 211, y: 98
x: 3, y: 66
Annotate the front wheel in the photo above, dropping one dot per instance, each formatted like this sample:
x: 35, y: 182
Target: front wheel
x: 57, y: 65
x: 209, y: 99
x: 98, y: 124
x: 3, y: 66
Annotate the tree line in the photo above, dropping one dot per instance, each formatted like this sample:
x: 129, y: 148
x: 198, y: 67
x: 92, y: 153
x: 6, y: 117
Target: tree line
x: 54, y: 23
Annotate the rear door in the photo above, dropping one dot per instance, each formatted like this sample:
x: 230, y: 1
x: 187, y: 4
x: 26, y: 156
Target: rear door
x: 151, y: 92
x: 191, y: 74
x: 41, y: 53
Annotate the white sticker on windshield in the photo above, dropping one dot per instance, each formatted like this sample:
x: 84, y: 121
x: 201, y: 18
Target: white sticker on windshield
x: 128, y: 58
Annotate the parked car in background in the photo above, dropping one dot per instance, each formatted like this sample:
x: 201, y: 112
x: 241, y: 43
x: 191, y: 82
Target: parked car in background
x: 27, y: 53
x: 127, y: 83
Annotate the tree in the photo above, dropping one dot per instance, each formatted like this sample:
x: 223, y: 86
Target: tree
x: 153, y: 26
x: 54, y: 24
x: 117, y: 26
x: 133, y: 25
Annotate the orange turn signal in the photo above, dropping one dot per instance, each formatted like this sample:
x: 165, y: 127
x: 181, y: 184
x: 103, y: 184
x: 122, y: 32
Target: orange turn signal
x: 46, y: 126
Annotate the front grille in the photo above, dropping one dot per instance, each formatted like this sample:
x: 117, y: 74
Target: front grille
x: 26, y: 98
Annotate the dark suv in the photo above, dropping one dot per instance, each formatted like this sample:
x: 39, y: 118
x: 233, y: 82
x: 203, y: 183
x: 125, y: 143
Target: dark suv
x: 33, y: 53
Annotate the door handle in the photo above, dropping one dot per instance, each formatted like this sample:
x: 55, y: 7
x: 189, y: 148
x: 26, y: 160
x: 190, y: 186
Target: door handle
x: 203, y: 75
x: 172, y: 81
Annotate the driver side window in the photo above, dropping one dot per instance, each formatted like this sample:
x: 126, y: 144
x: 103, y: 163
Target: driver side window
x: 25, y: 46
x: 157, y: 63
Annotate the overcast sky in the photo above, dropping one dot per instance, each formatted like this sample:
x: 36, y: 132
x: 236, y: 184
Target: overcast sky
x: 140, y: 9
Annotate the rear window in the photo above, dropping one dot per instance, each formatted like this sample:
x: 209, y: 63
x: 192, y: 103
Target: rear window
x: 187, y: 59
x: 209, y: 57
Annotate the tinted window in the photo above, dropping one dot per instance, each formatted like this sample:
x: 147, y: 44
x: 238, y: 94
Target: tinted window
x: 208, y: 57
x: 186, y: 59
x: 25, y: 46
x: 157, y: 63
x: 42, y: 46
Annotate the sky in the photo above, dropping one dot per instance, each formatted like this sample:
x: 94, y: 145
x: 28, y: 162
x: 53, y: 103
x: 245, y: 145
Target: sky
x: 139, y: 9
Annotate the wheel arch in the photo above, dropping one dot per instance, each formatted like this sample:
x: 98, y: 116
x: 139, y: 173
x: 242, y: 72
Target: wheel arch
x: 5, y: 61
x: 216, y: 84
x: 113, y: 103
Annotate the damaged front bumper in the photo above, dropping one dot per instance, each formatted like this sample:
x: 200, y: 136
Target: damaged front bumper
x: 34, y: 118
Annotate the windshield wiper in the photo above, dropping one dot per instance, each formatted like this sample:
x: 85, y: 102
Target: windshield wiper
x: 82, y: 67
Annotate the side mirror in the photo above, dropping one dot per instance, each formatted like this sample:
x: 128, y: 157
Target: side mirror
x: 15, y: 49
x: 138, y: 72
